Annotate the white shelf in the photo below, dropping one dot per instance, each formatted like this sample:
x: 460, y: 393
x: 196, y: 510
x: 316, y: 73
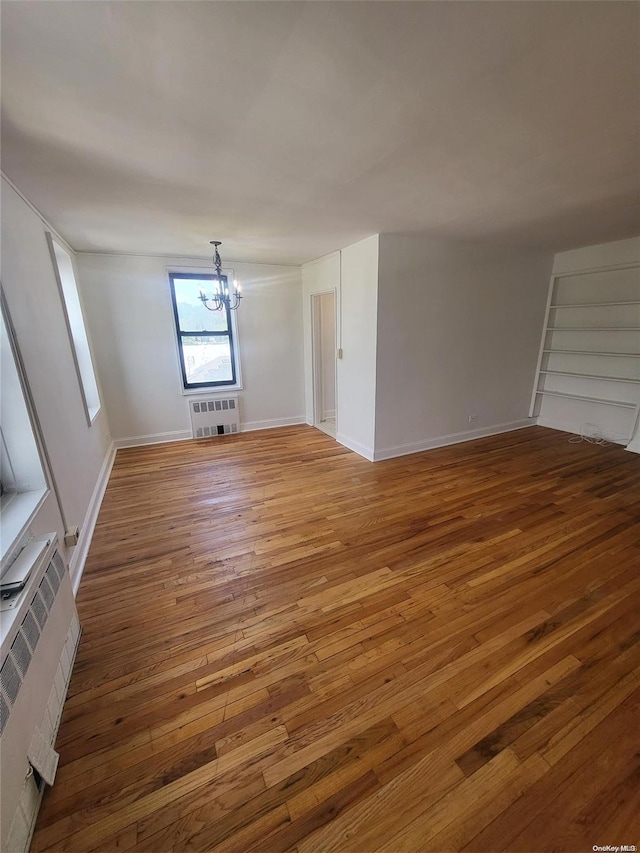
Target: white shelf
x: 596, y: 318
x: 625, y: 404
x: 593, y: 304
x: 593, y: 352
x: 593, y: 328
x: 589, y: 376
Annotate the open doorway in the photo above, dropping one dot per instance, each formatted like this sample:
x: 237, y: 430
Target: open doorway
x: 323, y: 342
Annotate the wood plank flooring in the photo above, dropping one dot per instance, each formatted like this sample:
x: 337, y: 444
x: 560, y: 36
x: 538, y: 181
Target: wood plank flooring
x: 288, y: 648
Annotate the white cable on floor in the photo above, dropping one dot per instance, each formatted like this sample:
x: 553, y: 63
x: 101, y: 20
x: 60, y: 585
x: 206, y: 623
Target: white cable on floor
x: 594, y: 436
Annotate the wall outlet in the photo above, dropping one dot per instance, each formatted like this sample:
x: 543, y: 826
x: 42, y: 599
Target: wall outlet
x: 473, y: 419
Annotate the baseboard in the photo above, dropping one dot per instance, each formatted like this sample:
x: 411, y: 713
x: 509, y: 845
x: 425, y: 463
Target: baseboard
x: 452, y: 438
x: 634, y: 444
x: 251, y: 426
x: 76, y: 564
x: 330, y: 413
x: 358, y: 448
x: 186, y: 434
x: 576, y: 429
x: 154, y: 438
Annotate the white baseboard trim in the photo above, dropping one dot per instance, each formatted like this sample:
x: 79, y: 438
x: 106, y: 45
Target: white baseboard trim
x: 358, y: 448
x: 330, y: 413
x: 575, y: 429
x: 186, y: 435
x: 154, y: 438
x: 452, y: 438
x: 251, y: 426
x: 76, y: 564
x: 634, y: 444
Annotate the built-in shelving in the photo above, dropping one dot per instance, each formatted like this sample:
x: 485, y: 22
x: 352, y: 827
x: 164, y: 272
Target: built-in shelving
x: 593, y: 329
x: 589, y: 376
x: 593, y: 304
x: 570, y: 374
x: 593, y: 352
x: 601, y: 400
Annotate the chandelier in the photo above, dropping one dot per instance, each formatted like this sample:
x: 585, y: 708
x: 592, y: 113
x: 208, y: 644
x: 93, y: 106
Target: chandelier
x: 221, y: 297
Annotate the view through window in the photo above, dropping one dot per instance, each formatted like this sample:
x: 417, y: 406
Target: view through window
x: 23, y: 485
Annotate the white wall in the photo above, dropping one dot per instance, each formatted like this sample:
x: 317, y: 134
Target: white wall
x: 458, y: 335
x: 608, y: 272
x: 130, y: 316
x: 358, y: 338
x: 77, y: 452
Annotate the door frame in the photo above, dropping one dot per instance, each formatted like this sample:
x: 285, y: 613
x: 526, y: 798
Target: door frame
x: 316, y: 356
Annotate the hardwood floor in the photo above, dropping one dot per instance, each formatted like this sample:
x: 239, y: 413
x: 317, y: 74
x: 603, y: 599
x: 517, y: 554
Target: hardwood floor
x: 288, y: 648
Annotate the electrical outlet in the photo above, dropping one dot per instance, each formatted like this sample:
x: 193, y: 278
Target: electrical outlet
x: 473, y: 419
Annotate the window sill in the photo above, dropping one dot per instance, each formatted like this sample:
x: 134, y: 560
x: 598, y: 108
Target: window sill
x: 17, y: 516
x: 207, y: 392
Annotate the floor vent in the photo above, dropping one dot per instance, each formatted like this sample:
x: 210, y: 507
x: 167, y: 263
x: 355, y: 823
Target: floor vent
x: 211, y: 418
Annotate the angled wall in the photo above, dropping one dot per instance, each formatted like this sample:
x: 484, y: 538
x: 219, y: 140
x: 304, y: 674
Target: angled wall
x: 458, y: 334
x: 78, y: 454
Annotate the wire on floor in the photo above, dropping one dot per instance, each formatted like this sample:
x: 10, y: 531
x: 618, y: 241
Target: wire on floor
x: 591, y: 434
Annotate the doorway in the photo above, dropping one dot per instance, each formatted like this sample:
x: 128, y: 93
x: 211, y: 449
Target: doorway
x: 323, y: 342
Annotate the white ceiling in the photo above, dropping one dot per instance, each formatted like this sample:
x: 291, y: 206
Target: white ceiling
x: 290, y: 129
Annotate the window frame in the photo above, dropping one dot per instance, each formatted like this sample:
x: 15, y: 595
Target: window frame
x: 22, y: 500
x: 231, y: 332
x: 77, y: 331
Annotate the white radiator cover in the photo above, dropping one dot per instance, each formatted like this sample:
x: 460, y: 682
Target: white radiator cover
x: 214, y: 416
x: 39, y: 641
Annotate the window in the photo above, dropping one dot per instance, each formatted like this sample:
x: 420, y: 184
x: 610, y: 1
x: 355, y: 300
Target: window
x: 75, y: 324
x: 206, y: 339
x: 23, y: 485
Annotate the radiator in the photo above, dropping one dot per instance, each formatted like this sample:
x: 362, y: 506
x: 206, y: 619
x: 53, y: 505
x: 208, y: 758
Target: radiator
x: 219, y: 416
x: 40, y: 633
